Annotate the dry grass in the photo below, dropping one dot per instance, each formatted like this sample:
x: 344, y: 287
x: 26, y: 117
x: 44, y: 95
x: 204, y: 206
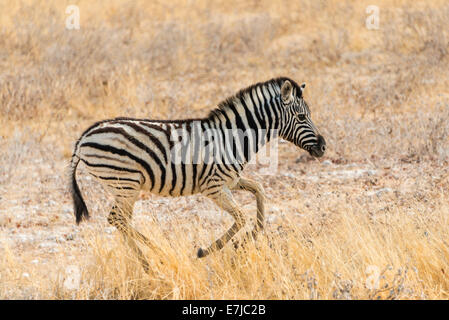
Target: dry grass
x: 378, y: 205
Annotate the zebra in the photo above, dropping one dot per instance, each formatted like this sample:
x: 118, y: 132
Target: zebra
x: 128, y: 155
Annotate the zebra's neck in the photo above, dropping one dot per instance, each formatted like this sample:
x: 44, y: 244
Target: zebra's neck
x: 252, y: 117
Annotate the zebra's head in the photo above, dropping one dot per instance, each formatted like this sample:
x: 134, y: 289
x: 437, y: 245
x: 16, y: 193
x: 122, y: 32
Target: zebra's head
x: 298, y: 126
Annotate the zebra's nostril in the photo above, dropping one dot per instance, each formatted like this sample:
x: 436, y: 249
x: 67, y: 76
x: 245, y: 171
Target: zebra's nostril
x: 323, y: 148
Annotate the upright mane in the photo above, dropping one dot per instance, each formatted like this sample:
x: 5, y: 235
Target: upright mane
x: 225, y: 104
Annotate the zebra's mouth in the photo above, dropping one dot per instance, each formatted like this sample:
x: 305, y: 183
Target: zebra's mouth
x: 318, y: 149
x: 316, y: 152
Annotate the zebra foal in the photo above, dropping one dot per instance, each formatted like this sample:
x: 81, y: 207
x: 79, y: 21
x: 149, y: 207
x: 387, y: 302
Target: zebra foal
x: 184, y: 157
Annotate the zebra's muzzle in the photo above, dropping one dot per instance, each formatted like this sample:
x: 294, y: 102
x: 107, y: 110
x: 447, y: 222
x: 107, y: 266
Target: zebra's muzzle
x: 318, y: 149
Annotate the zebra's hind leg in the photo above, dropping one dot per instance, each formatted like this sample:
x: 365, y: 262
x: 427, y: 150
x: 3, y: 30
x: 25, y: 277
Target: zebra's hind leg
x: 256, y: 189
x: 224, y: 200
x: 120, y: 217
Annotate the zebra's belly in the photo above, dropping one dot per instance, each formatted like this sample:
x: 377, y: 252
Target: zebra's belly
x: 175, y: 180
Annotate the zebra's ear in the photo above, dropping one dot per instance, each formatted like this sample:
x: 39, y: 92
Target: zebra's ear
x: 286, y: 91
x: 302, y: 87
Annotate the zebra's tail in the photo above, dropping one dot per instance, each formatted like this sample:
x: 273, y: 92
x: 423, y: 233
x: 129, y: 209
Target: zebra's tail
x: 79, y: 205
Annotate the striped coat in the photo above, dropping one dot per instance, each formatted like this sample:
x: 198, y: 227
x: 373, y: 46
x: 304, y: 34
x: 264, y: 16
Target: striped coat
x: 184, y: 157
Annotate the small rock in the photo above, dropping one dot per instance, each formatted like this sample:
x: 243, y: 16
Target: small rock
x: 271, y: 218
x: 383, y: 190
x: 379, y: 192
x: 55, y: 239
x: 290, y: 175
x: 47, y: 245
x: 69, y: 237
x: 25, y: 238
x: 109, y: 230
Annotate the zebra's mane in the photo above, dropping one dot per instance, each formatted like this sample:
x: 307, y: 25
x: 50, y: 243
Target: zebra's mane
x: 225, y: 104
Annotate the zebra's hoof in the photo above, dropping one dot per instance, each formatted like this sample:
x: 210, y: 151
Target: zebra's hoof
x: 201, y: 253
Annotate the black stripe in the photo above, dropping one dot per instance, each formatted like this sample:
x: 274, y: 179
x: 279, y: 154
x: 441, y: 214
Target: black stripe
x: 252, y: 124
x: 206, y: 157
x: 270, y: 110
x: 138, y: 144
x: 194, y: 169
x: 105, y: 157
x: 174, y: 177
x: 183, y: 171
x: 153, y: 139
x: 196, y: 146
x: 240, y: 126
x: 256, y: 102
x: 258, y: 110
x: 203, y: 170
x: 121, y: 152
x: 215, y: 186
x: 121, y: 187
x: 101, y: 165
x: 116, y: 178
x: 277, y: 115
x: 229, y: 127
x: 212, y: 193
x: 184, y: 155
x: 210, y: 171
x: 125, y: 196
x: 224, y: 172
x: 153, y: 120
x: 156, y: 127
x: 263, y: 118
x: 267, y: 113
x: 234, y: 146
x: 222, y: 147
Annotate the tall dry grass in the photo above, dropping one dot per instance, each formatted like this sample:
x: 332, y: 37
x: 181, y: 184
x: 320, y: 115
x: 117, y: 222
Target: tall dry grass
x: 395, y: 256
x: 380, y: 97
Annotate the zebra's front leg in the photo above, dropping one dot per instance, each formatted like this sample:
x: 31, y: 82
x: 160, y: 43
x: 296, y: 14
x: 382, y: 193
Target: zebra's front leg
x: 225, y: 201
x: 256, y: 189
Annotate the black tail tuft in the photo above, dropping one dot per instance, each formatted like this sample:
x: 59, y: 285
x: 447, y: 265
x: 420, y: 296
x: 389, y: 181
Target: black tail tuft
x: 79, y: 205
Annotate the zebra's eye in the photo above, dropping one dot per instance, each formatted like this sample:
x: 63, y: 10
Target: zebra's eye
x: 301, y: 116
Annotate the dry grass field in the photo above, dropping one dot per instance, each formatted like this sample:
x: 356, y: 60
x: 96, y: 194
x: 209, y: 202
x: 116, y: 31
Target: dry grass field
x: 369, y: 220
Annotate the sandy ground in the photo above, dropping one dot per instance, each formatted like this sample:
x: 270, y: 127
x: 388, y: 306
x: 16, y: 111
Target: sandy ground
x: 38, y: 227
